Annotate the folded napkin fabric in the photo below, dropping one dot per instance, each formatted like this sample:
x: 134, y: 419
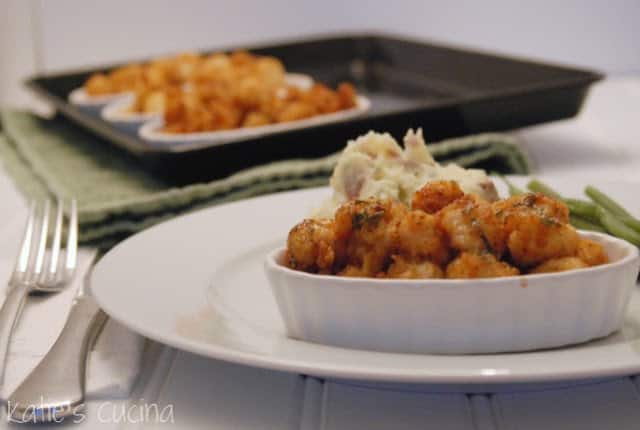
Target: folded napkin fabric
x: 116, y: 197
x: 113, y: 363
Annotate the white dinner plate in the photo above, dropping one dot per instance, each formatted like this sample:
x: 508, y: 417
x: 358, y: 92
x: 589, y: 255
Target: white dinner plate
x: 197, y: 283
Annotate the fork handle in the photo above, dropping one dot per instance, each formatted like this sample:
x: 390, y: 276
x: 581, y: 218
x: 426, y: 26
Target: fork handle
x: 58, y: 381
x: 13, y: 302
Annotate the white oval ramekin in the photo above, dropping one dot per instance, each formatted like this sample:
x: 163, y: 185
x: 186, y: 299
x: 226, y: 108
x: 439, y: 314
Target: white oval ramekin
x: 455, y: 316
x: 93, y: 105
x: 117, y: 113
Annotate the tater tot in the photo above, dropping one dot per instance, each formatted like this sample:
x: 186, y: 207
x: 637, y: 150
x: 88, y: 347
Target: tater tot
x: 353, y: 271
x: 216, y: 68
x: 215, y: 63
x: 367, y: 232
x: 156, y: 77
x: 420, y: 238
x: 591, y: 252
x: 155, y: 101
x: 347, y: 95
x: 310, y: 245
x: 322, y: 98
x: 560, y: 265
x: 296, y: 111
x: 271, y: 71
x: 186, y: 65
x: 98, y: 84
x: 472, y: 226
x: 127, y: 78
x: 534, y: 239
x: 226, y: 116
x: 538, y: 203
x: 405, y: 269
x: 242, y: 58
x: 249, y: 91
x: 486, y: 265
x: 536, y: 228
x: 255, y: 119
x: 435, y: 195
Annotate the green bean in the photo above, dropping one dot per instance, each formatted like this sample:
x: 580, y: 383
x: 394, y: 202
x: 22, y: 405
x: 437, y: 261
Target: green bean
x: 605, y: 201
x: 583, y: 209
x: 585, y: 224
x: 616, y: 227
x: 540, y: 187
x: 514, y: 190
x: 613, y: 207
x: 630, y: 221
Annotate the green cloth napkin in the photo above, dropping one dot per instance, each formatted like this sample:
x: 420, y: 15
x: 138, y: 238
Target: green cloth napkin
x: 116, y: 197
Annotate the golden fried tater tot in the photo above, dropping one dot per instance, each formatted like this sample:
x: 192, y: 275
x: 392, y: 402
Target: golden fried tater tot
x: 127, y: 78
x: 322, y: 98
x: 591, y: 252
x: 225, y: 116
x: 367, y: 233
x: 295, y: 111
x: 353, y: 272
x: 536, y: 227
x: 277, y: 102
x: 347, y: 95
x: 310, y: 245
x: 404, y: 269
x: 560, y: 265
x: 216, y: 62
x: 472, y: 226
x: 420, y: 238
x: 186, y: 65
x: 435, y: 195
x: 271, y: 71
x: 542, y: 205
x: 242, y: 58
x: 216, y: 68
x: 250, y: 91
x: 156, y: 77
x: 485, y: 265
x: 155, y: 102
x: 210, y: 90
x: 534, y: 239
x: 255, y: 119
x: 98, y: 84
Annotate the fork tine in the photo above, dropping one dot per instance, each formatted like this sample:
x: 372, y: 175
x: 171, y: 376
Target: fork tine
x: 22, y: 263
x: 42, y: 242
x: 72, y: 240
x: 55, y: 246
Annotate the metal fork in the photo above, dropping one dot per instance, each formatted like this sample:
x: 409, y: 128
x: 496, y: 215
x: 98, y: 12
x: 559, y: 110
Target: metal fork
x: 30, y: 273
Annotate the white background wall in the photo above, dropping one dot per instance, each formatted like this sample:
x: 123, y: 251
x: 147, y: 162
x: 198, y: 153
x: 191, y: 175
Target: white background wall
x: 41, y: 36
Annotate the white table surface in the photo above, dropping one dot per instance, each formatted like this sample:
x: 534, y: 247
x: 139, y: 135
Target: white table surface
x: 602, y: 142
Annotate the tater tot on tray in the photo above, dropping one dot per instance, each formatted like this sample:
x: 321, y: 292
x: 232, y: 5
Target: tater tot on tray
x: 203, y: 93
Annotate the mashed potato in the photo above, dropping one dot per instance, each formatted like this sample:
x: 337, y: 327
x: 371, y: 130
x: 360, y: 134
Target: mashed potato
x: 375, y: 165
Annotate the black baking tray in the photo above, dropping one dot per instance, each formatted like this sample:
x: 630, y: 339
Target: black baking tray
x: 445, y: 90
